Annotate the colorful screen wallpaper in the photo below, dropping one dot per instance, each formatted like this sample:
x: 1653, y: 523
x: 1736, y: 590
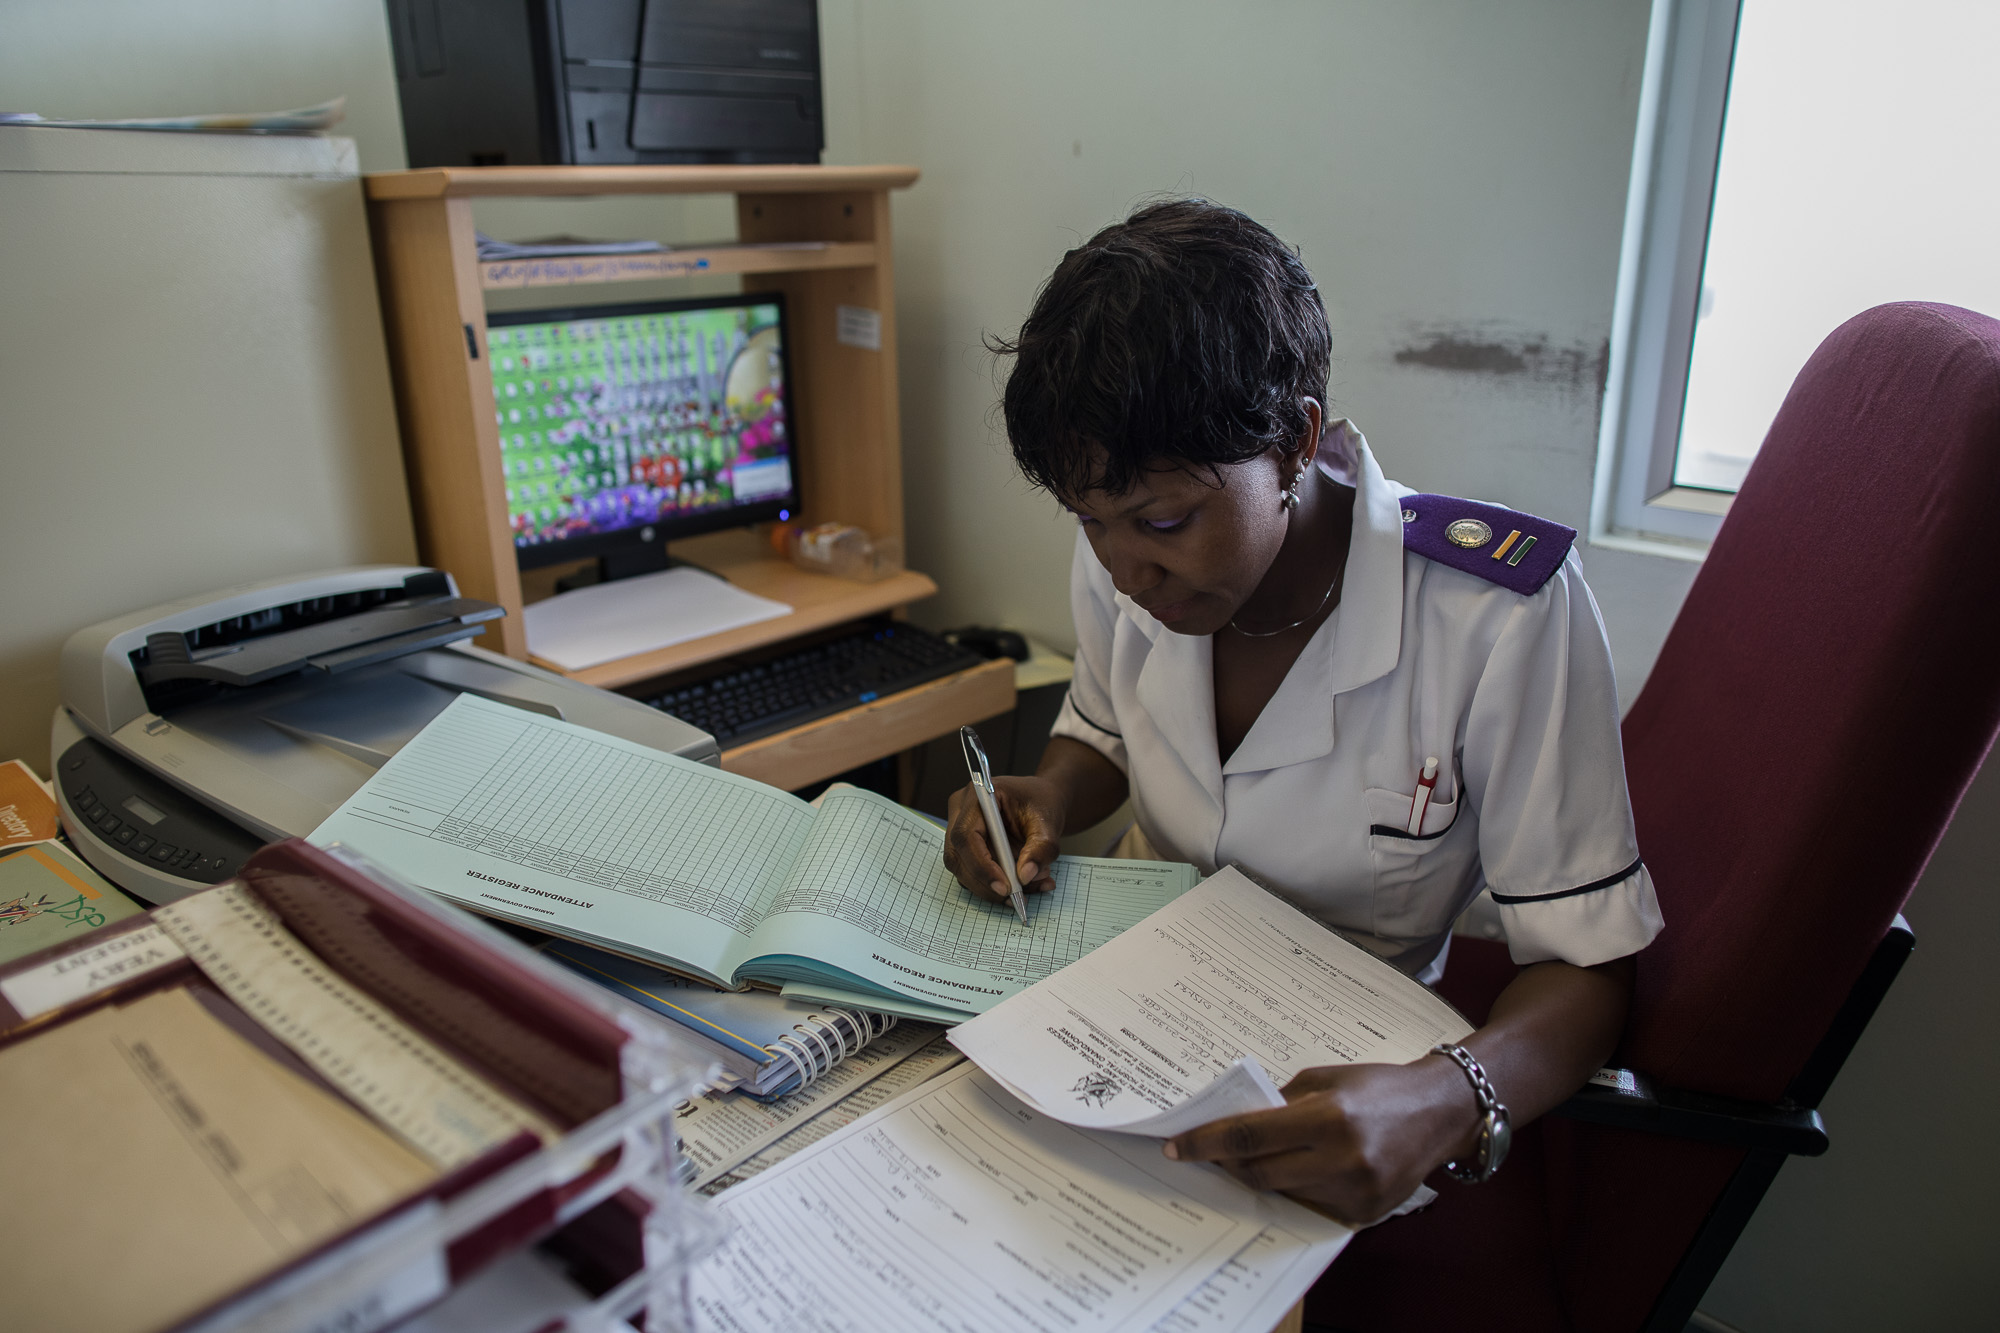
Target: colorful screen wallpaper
x: 614, y: 422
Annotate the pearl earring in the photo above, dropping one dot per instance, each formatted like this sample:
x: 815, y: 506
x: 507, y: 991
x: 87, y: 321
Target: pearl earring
x: 1290, y: 499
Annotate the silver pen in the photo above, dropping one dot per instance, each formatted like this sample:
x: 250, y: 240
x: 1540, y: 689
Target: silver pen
x: 996, y: 827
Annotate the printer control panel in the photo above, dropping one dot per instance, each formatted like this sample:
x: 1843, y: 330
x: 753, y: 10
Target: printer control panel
x: 119, y: 805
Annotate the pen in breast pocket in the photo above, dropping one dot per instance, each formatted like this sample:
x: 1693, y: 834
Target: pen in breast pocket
x: 1420, y: 803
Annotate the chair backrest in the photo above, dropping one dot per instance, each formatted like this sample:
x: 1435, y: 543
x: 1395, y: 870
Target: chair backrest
x: 1827, y: 692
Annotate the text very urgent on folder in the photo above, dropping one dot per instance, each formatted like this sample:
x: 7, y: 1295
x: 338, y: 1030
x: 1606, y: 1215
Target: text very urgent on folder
x: 573, y: 832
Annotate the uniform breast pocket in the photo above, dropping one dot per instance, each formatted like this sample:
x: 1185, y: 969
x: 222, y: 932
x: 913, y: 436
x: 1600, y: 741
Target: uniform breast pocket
x: 1421, y: 879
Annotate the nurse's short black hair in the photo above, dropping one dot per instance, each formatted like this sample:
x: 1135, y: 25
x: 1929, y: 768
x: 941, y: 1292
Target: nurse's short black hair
x: 1185, y: 336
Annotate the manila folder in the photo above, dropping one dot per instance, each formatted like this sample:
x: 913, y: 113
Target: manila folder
x: 160, y: 1162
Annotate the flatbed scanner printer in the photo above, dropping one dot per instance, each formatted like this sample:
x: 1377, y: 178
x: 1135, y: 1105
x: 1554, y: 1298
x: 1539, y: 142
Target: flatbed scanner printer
x: 193, y: 733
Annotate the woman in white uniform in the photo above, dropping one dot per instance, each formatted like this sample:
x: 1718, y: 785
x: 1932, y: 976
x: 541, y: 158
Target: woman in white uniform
x: 1273, y: 645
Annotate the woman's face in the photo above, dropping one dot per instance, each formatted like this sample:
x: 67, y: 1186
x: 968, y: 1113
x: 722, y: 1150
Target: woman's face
x: 1189, y: 551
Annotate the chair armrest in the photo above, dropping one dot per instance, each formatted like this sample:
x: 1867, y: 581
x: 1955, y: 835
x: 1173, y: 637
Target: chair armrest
x: 1628, y: 1100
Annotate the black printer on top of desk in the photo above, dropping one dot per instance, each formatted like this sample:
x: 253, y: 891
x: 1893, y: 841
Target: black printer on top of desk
x: 524, y: 82
x: 193, y: 733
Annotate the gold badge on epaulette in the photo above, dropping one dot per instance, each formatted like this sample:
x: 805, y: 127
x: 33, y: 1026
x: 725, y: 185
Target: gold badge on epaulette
x: 1469, y: 533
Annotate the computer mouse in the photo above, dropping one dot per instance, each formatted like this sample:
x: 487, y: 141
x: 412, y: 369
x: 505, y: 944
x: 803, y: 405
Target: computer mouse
x: 991, y: 643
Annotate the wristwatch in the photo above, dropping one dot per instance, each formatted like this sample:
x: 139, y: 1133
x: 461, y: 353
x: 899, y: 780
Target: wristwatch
x: 1495, y: 1134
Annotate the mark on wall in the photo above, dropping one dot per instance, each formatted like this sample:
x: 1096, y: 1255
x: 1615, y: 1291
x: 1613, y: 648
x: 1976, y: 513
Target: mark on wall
x: 1533, y: 357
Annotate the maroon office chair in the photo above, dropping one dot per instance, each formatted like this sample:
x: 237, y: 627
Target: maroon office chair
x: 1828, y: 691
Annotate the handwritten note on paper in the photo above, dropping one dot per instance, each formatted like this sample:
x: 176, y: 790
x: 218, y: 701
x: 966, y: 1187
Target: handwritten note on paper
x: 1223, y: 975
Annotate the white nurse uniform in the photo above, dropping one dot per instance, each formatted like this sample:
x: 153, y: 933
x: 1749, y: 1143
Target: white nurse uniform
x: 1513, y: 693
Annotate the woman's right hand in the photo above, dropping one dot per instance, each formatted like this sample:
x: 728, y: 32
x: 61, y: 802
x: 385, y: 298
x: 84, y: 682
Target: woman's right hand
x: 1034, y: 812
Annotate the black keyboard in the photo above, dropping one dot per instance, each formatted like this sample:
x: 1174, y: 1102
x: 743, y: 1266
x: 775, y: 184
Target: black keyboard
x: 748, y: 702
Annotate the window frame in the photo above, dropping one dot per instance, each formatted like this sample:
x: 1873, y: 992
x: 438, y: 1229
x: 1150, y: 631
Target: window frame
x: 1683, y: 101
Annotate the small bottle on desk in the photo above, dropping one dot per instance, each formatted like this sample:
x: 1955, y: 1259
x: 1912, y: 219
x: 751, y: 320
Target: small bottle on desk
x: 840, y: 550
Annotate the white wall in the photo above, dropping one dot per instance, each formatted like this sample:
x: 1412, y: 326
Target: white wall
x: 72, y: 59
x: 245, y: 428
x: 1454, y: 171
x: 1454, y: 174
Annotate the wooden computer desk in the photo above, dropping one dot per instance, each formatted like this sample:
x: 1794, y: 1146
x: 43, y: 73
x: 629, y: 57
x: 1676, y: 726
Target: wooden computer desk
x: 821, y: 236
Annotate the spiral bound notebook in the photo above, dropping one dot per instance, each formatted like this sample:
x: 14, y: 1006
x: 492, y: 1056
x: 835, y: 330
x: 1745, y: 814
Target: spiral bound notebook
x: 768, y: 1045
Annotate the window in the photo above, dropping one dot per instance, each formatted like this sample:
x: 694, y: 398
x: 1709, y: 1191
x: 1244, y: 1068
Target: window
x: 1853, y: 168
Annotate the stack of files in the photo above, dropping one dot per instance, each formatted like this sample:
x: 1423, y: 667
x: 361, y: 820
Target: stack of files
x: 596, y: 839
x: 727, y: 1137
x: 304, y: 1099
x: 1027, y: 1188
x: 767, y: 1045
x: 956, y: 1206
x: 550, y: 247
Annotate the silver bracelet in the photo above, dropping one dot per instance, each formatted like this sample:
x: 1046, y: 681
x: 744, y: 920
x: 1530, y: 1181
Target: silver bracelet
x: 1495, y: 1134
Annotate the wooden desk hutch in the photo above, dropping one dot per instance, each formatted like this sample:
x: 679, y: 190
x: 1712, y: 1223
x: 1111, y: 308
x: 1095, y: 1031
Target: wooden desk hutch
x: 821, y: 236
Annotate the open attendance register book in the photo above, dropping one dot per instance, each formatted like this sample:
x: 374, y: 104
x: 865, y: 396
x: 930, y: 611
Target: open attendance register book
x: 584, y: 835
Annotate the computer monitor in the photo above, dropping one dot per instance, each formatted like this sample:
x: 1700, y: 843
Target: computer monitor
x: 625, y: 426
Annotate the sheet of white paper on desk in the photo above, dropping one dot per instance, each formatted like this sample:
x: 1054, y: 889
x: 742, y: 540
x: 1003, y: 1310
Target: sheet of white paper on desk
x: 1151, y: 1018
x: 608, y: 621
x: 954, y: 1206
x: 1259, y: 1284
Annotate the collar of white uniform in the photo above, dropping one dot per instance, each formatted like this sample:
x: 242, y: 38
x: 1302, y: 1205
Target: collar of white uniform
x: 1358, y: 643
x: 1367, y: 627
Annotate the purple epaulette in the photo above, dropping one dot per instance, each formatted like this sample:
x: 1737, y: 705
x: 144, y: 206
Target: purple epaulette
x: 1504, y: 546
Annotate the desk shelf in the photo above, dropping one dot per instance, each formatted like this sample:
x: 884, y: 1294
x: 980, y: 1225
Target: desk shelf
x: 691, y: 262
x: 817, y: 603
x: 819, y: 235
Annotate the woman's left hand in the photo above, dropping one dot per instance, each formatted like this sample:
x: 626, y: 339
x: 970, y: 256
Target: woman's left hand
x: 1353, y: 1140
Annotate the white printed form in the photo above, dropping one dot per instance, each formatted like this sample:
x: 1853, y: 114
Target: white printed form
x: 1170, y: 1012
x: 1264, y: 1279
x: 522, y: 816
x: 955, y: 1209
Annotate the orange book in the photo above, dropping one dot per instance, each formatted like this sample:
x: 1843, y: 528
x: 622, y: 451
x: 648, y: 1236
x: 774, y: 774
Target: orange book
x: 27, y: 811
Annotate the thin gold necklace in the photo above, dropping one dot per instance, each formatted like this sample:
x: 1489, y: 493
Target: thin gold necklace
x: 1272, y: 633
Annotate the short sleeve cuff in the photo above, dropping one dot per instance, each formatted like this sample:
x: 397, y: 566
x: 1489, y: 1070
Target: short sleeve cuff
x: 1587, y: 925
x: 1085, y: 725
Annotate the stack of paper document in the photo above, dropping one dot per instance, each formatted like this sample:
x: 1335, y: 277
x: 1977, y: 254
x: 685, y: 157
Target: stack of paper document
x: 169, y: 1163
x: 607, y: 621
x: 300, y: 120
x: 767, y: 1044
x: 1027, y: 1190
x: 728, y: 1137
x: 551, y: 247
x: 1201, y: 1012
x: 955, y: 1206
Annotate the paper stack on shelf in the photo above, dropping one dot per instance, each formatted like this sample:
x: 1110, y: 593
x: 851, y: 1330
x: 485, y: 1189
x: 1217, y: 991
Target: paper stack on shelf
x: 607, y: 621
x: 301, y: 120
x: 552, y: 247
